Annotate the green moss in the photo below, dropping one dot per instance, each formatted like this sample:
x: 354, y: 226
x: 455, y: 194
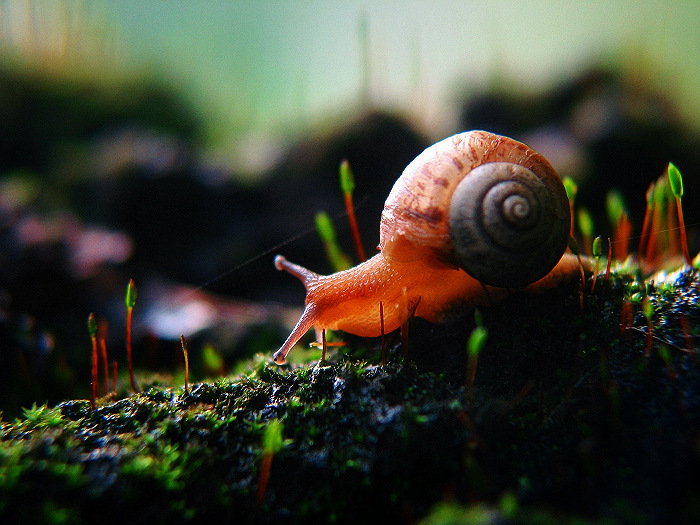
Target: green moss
x: 567, y: 420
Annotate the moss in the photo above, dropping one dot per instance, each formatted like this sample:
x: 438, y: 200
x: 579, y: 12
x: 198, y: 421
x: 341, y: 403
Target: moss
x: 568, y: 421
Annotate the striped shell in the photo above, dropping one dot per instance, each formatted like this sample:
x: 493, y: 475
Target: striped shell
x: 483, y: 202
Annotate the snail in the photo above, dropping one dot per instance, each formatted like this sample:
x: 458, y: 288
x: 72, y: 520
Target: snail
x: 470, y: 218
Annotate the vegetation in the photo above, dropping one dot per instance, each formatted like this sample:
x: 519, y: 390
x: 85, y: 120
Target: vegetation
x: 569, y: 416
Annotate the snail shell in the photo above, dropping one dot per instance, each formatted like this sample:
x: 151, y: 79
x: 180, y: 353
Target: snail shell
x: 471, y: 216
x: 485, y: 203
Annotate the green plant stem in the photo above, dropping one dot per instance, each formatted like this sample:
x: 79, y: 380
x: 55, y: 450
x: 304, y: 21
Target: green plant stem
x: 350, y: 208
x: 102, y: 331
x: 187, y: 364
x: 128, y: 349
x: 95, y: 379
x: 684, y: 238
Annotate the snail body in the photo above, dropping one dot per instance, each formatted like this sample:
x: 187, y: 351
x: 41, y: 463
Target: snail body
x: 472, y: 216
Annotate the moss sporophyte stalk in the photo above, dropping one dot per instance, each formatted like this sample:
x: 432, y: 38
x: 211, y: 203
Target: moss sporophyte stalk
x: 130, y: 301
x: 92, y: 330
x: 347, y: 185
x: 676, y: 182
x: 102, y: 339
x: 187, y: 364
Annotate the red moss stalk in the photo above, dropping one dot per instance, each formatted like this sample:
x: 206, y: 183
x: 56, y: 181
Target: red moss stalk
x: 672, y: 227
x: 265, y: 467
x: 187, y: 364
x: 676, y: 181
x: 347, y: 184
x: 324, y: 344
x: 92, y: 330
x: 102, y: 336
x: 623, y: 230
x: 381, y: 322
x: 620, y: 223
x: 130, y: 302
x: 684, y: 239
x: 349, y: 206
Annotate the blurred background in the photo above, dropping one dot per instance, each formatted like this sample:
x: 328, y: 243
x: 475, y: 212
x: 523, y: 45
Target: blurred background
x: 184, y: 144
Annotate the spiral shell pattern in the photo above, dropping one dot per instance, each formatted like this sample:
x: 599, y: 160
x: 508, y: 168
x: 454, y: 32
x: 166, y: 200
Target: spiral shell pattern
x: 504, y: 225
x: 483, y: 202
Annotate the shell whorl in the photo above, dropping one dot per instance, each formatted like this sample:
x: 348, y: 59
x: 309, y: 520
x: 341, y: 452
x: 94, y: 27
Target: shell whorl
x: 438, y: 204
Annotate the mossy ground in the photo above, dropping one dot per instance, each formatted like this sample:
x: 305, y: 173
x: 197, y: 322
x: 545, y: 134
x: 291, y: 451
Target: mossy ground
x: 568, y: 419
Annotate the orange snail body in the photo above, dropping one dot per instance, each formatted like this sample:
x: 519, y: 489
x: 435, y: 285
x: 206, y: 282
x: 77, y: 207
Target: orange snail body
x: 472, y: 216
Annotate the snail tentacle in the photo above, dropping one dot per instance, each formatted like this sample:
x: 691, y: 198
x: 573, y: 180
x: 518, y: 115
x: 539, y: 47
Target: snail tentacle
x: 305, y: 276
x: 305, y: 323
